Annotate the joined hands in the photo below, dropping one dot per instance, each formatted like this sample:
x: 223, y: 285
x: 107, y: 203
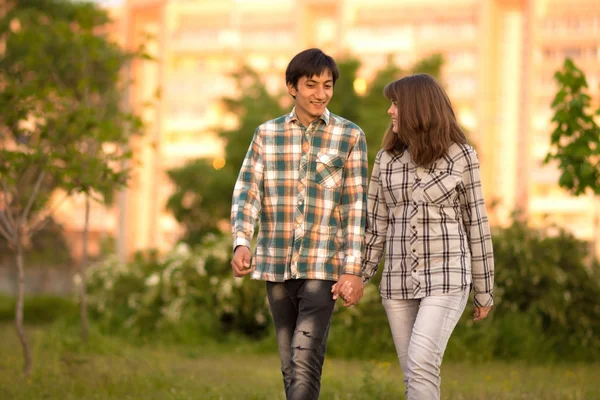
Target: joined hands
x: 349, y: 288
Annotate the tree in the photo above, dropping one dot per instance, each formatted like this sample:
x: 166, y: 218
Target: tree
x: 373, y: 118
x: 575, y: 141
x: 97, y: 64
x: 252, y: 107
x: 201, y: 199
x: 345, y: 101
x: 200, y: 214
x: 61, y: 122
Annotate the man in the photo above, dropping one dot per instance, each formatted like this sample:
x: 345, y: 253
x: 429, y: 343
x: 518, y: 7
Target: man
x: 304, y: 179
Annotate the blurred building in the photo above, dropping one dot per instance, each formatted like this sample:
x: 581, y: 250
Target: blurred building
x: 500, y: 57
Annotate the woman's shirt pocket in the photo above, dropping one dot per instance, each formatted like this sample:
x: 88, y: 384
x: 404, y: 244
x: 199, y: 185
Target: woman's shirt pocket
x: 439, y: 187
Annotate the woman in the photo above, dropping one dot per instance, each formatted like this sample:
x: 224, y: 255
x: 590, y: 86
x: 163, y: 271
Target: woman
x: 426, y: 210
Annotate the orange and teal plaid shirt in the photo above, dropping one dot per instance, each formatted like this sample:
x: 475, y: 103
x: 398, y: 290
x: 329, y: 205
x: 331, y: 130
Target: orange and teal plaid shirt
x: 306, y: 188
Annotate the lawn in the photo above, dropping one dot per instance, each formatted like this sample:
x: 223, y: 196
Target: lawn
x: 109, y: 368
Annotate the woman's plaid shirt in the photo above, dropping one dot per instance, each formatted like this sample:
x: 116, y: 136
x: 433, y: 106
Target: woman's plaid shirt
x: 307, y: 189
x: 432, y: 224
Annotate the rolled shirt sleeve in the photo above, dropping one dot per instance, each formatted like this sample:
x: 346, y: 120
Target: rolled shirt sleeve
x: 247, y: 194
x: 477, y: 227
x: 354, y: 200
x: 377, y: 224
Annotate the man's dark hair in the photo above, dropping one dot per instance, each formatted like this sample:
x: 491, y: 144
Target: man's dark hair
x: 309, y: 63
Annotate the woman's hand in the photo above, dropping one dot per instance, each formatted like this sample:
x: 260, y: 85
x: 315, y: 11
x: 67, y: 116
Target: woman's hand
x: 481, y: 313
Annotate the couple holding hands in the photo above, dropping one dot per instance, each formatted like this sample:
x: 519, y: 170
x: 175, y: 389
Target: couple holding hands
x: 323, y: 229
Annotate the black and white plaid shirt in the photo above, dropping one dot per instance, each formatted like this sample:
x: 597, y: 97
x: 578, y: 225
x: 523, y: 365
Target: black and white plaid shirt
x: 433, y: 225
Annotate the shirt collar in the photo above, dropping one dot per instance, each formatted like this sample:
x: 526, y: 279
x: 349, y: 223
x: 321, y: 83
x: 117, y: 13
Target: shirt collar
x: 293, y: 117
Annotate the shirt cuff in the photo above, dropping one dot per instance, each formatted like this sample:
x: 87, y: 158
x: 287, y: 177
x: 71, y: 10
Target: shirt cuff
x: 483, y: 299
x: 352, y: 265
x: 240, y: 241
x: 365, y: 279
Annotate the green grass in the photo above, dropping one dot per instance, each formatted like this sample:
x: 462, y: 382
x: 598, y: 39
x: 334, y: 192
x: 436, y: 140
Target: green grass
x: 109, y: 368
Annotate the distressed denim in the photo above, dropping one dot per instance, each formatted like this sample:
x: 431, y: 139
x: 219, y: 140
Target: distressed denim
x: 301, y: 312
x: 421, y: 329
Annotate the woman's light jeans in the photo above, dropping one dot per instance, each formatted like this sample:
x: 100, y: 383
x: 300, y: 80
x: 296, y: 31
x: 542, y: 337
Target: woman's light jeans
x: 421, y: 329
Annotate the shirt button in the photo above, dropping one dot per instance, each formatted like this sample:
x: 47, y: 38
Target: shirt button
x: 300, y: 201
x: 414, y: 227
x: 414, y: 250
x: 414, y: 203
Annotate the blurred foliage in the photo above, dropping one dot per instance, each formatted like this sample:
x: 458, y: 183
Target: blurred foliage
x: 547, y: 286
x: 345, y: 102
x: 156, y: 293
x: 61, y: 114
x: 202, y: 195
x: 49, y: 248
x: 545, y: 309
x: 373, y: 106
x: 42, y: 309
x: 201, y: 198
x: 575, y: 142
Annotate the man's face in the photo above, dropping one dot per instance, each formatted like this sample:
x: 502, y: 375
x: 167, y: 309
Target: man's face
x: 312, y: 96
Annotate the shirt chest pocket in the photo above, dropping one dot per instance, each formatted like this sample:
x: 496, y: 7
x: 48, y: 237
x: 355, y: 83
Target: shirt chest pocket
x: 329, y: 170
x: 440, y: 187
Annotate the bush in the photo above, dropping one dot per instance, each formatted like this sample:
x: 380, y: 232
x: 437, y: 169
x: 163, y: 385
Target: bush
x: 182, y: 288
x: 38, y: 309
x: 546, y: 306
x: 555, y: 282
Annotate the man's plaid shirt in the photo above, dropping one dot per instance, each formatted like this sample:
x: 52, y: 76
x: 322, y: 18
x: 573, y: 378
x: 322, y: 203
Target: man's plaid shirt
x: 433, y: 225
x: 307, y: 189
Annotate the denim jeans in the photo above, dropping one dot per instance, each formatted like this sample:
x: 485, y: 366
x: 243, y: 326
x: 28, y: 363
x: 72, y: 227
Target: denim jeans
x: 421, y: 329
x: 301, y: 312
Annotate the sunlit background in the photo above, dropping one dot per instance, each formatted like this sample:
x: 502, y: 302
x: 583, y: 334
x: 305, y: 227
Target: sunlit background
x: 499, y: 61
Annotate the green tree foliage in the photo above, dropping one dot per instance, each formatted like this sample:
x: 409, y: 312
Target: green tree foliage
x: 201, y: 199
x: 255, y: 106
x: 202, y: 196
x: 61, y: 119
x: 374, y: 118
x: 374, y: 105
x: 345, y: 101
x: 575, y: 141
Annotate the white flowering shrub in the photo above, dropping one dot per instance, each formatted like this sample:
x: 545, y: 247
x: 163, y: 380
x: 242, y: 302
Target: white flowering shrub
x: 185, y: 286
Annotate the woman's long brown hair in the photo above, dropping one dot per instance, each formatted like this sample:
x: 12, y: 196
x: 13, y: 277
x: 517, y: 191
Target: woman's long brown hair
x: 427, y: 125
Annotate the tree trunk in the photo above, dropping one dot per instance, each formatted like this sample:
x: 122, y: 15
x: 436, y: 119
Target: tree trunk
x: 82, y: 266
x: 19, y: 310
x: 596, y: 246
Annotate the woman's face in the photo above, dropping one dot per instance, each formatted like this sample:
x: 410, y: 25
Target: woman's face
x: 393, y: 112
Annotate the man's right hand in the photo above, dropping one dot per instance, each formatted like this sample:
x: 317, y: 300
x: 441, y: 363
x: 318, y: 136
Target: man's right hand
x: 241, y: 261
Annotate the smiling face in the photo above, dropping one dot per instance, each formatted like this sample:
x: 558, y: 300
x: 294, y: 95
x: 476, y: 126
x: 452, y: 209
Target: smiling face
x: 393, y: 112
x: 312, y: 94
